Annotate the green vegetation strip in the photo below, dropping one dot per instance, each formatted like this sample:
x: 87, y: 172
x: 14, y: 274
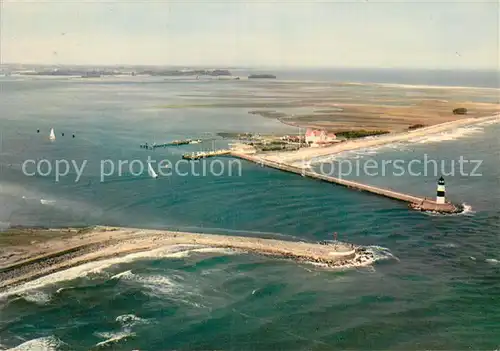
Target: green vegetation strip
x: 351, y: 134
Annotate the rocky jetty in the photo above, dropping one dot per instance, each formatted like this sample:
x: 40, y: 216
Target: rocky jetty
x: 37, y: 259
x: 433, y: 207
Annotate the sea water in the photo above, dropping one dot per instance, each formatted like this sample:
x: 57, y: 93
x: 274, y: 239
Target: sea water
x: 434, y: 285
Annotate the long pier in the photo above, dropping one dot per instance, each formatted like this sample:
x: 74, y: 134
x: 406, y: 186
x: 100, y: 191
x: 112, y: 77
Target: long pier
x: 415, y: 202
x: 205, y: 154
x: 172, y: 143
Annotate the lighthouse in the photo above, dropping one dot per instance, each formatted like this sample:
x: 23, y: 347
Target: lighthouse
x: 440, y: 199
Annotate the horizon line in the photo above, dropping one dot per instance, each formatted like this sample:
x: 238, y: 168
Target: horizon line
x: 276, y: 67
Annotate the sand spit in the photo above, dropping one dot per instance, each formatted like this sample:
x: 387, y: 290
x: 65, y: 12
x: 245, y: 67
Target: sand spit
x: 301, y: 157
x: 35, y: 261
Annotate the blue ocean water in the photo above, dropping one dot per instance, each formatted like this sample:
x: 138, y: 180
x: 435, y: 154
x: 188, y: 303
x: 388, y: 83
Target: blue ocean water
x: 434, y: 287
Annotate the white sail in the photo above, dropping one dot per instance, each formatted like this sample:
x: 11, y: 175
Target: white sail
x: 52, y: 135
x: 151, y: 171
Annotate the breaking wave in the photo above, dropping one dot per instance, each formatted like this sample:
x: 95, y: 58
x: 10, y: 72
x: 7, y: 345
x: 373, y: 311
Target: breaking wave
x: 157, y: 284
x: 127, y: 321
x: 130, y: 320
x: 448, y: 245
x: 467, y: 211
x: 380, y: 253
x: 122, y: 274
x: 38, y: 297
x: 93, y: 268
x: 48, y: 343
x: 367, y: 258
x: 448, y: 135
x: 113, y: 338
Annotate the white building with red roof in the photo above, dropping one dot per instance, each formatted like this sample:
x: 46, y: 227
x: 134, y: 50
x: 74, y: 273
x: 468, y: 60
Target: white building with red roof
x: 316, y: 137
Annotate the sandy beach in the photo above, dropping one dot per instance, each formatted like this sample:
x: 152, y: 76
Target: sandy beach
x: 305, y: 156
x: 70, y: 247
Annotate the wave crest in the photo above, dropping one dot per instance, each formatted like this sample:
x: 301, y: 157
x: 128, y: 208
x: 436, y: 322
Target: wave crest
x: 113, y: 338
x: 130, y: 320
x: 47, y: 343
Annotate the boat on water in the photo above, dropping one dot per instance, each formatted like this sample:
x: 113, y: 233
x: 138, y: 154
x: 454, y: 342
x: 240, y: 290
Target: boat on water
x: 151, y: 171
x: 196, y: 141
x: 52, y: 135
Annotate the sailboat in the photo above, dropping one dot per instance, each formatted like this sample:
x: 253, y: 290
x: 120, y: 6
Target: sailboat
x: 52, y: 135
x: 151, y: 171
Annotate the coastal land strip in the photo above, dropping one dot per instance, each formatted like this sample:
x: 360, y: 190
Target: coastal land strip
x: 27, y: 254
x: 300, y: 161
x: 304, y: 157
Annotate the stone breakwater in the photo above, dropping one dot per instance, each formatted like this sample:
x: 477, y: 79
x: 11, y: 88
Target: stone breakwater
x: 103, y: 243
x: 414, y: 202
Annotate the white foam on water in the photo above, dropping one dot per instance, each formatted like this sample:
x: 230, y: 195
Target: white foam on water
x: 215, y: 250
x: 180, y: 254
x: 112, y: 338
x: 357, y: 154
x: 467, y: 209
x: 47, y: 202
x: 47, y: 343
x: 157, y: 284
x: 457, y: 133
x: 122, y: 274
x: 350, y: 265
x: 448, y: 245
x: 375, y: 253
x: 96, y: 267
x: 187, y: 253
x: 130, y: 320
x: 448, y: 135
x: 62, y: 289
x: 38, y: 297
x: 318, y: 264
x: 380, y: 253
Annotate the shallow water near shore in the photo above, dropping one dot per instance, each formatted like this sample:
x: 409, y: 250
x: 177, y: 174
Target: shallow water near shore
x: 435, y: 286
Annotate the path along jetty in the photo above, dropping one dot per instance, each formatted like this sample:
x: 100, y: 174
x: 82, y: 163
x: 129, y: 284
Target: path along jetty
x: 205, y: 154
x: 414, y: 202
x: 40, y: 259
x: 171, y: 143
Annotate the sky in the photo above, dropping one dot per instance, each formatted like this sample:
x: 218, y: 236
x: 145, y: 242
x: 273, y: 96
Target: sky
x: 370, y: 34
